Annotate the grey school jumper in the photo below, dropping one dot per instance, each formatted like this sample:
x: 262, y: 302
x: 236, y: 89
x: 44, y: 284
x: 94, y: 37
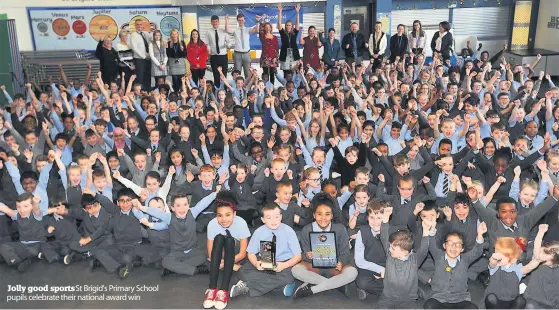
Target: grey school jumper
x: 400, y: 276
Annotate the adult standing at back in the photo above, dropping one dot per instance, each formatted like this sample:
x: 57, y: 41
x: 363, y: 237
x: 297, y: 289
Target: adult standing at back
x: 377, y: 45
x: 417, y: 38
x: 197, y: 53
x: 241, y: 56
x: 289, y: 53
x: 140, y: 40
x: 158, y: 55
x: 108, y: 60
x: 176, y: 52
x: 332, y: 47
x: 442, y: 41
x: 398, y: 44
x: 311, y: 44
x: 354, y: 45
x: 218, y: 41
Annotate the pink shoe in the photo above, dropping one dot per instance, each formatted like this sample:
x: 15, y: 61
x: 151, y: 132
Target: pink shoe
x: 221, y: 299
x: 209, y: 301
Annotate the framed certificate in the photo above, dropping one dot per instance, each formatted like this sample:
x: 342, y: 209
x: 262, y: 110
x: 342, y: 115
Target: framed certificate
x: 323, y: 248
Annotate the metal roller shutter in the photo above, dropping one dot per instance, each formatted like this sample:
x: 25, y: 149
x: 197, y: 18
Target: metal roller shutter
x: 482, y: 22
x: 314, y: 19
x: 428, y: 18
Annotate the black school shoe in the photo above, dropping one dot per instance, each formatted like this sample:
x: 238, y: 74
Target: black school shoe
x: 484, y: 278
x: 165, y: 272
x: 202, y: 269
x: 123, y: 271
x: 303, y: 291
x: 94, y: 264
x: 344, y: 290
x: 23, y: 265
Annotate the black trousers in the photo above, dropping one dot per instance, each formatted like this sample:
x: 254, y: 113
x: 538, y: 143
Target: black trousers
x: 432, y: 303
x: 198, y: 74
x: 215, y: 62
x: 143, y: 72
x: 248, y: 215
x: 271, y: 73
x: 492, y: 302
x: 223, y: 248
x: 177, y: 83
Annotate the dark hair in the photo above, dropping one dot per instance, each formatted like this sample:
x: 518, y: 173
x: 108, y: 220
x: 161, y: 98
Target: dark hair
x: 126, y: 192
x: 463, y: 198
x: 504, y: 201
x: 29, y: 175
x: 421, y: 32
x: 199, y: 43
x: 214, y: 17
x: 331, y: 29
x: 458, y: 234
x: 226, y: 199
x: 240, y: 15
x: 269, y: 207
x: 445, y: 25
x: 153, y: 175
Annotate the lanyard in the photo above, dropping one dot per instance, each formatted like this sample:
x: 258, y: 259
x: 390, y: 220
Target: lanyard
x: 331, y: 48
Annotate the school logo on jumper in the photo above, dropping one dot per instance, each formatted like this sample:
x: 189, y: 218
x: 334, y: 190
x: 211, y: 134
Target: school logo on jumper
x: 554, y: 22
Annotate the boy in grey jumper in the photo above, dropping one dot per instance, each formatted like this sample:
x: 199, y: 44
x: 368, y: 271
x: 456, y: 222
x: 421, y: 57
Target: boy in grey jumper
x: 400, y: 274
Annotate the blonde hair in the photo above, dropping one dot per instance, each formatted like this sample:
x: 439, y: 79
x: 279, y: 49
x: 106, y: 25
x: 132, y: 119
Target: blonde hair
x: 528, y: 183
x: 551, y: 154
x: 510, y: 247
x: 310, y: 171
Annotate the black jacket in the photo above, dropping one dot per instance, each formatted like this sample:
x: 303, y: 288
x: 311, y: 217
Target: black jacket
x: 360, y: 40
x: 398, y: 49
x: 446, y: 44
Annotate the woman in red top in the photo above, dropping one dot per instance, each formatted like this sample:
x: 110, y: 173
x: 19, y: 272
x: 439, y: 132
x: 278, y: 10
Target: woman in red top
x: 270, y: 47
x: 311, y: 45
x: 197, y: 55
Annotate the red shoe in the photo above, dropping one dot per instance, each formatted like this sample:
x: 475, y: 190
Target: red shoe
x: 221, y: 299
x: 209, y: 301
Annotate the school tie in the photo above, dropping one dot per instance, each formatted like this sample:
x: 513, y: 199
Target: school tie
x: 377, y: 236
x: 406, y: 201
x: 153, y: 149
x: 530, y: 145
x: 446, y: 184
x: 242, y: 39
x: 513, y: 228
x: 146, y: 45
x: 555, y: 174
x: 320, y: 171
x: 240, y: 189
x: 228, y: 232
x: 216, y: 42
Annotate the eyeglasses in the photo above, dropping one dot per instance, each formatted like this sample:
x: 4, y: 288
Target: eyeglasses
x: 124, y: 200
x: 456, y: 245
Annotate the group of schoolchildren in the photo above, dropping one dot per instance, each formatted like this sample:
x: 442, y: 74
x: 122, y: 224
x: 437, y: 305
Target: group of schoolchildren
x: 429, y: 180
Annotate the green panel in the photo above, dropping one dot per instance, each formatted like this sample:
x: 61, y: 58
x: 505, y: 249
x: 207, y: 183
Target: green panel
x: 3, y: 16
x: 6, y: 63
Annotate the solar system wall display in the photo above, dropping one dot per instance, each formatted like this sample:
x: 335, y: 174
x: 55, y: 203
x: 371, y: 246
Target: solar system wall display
x: 82, y: 28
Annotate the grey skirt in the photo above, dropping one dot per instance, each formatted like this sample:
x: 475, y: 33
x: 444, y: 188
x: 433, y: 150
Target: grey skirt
x: 177, y: 66
x: 289, y: 61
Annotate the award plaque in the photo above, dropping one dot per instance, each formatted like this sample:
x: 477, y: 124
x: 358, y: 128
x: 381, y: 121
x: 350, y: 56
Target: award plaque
x: 323, y: 248
x: 267, y: 255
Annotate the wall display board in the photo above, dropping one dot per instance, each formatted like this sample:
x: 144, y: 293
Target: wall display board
x: 82, y: 28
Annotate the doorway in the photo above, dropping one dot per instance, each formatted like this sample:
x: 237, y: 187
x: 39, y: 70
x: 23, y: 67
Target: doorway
x: 362, y: 12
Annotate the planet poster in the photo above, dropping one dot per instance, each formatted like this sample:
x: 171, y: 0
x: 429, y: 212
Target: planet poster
x: 82, y: 28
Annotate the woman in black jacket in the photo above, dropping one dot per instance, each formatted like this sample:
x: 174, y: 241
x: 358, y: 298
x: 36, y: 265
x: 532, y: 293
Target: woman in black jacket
x: 108, y: 60
x: 442, y: 41
x: 289, y: 52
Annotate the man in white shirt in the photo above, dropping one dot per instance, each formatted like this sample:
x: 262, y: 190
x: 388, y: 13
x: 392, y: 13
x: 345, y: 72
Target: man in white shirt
x: 241, y: 57
x: 139, y: 42
x: 218, y: 43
